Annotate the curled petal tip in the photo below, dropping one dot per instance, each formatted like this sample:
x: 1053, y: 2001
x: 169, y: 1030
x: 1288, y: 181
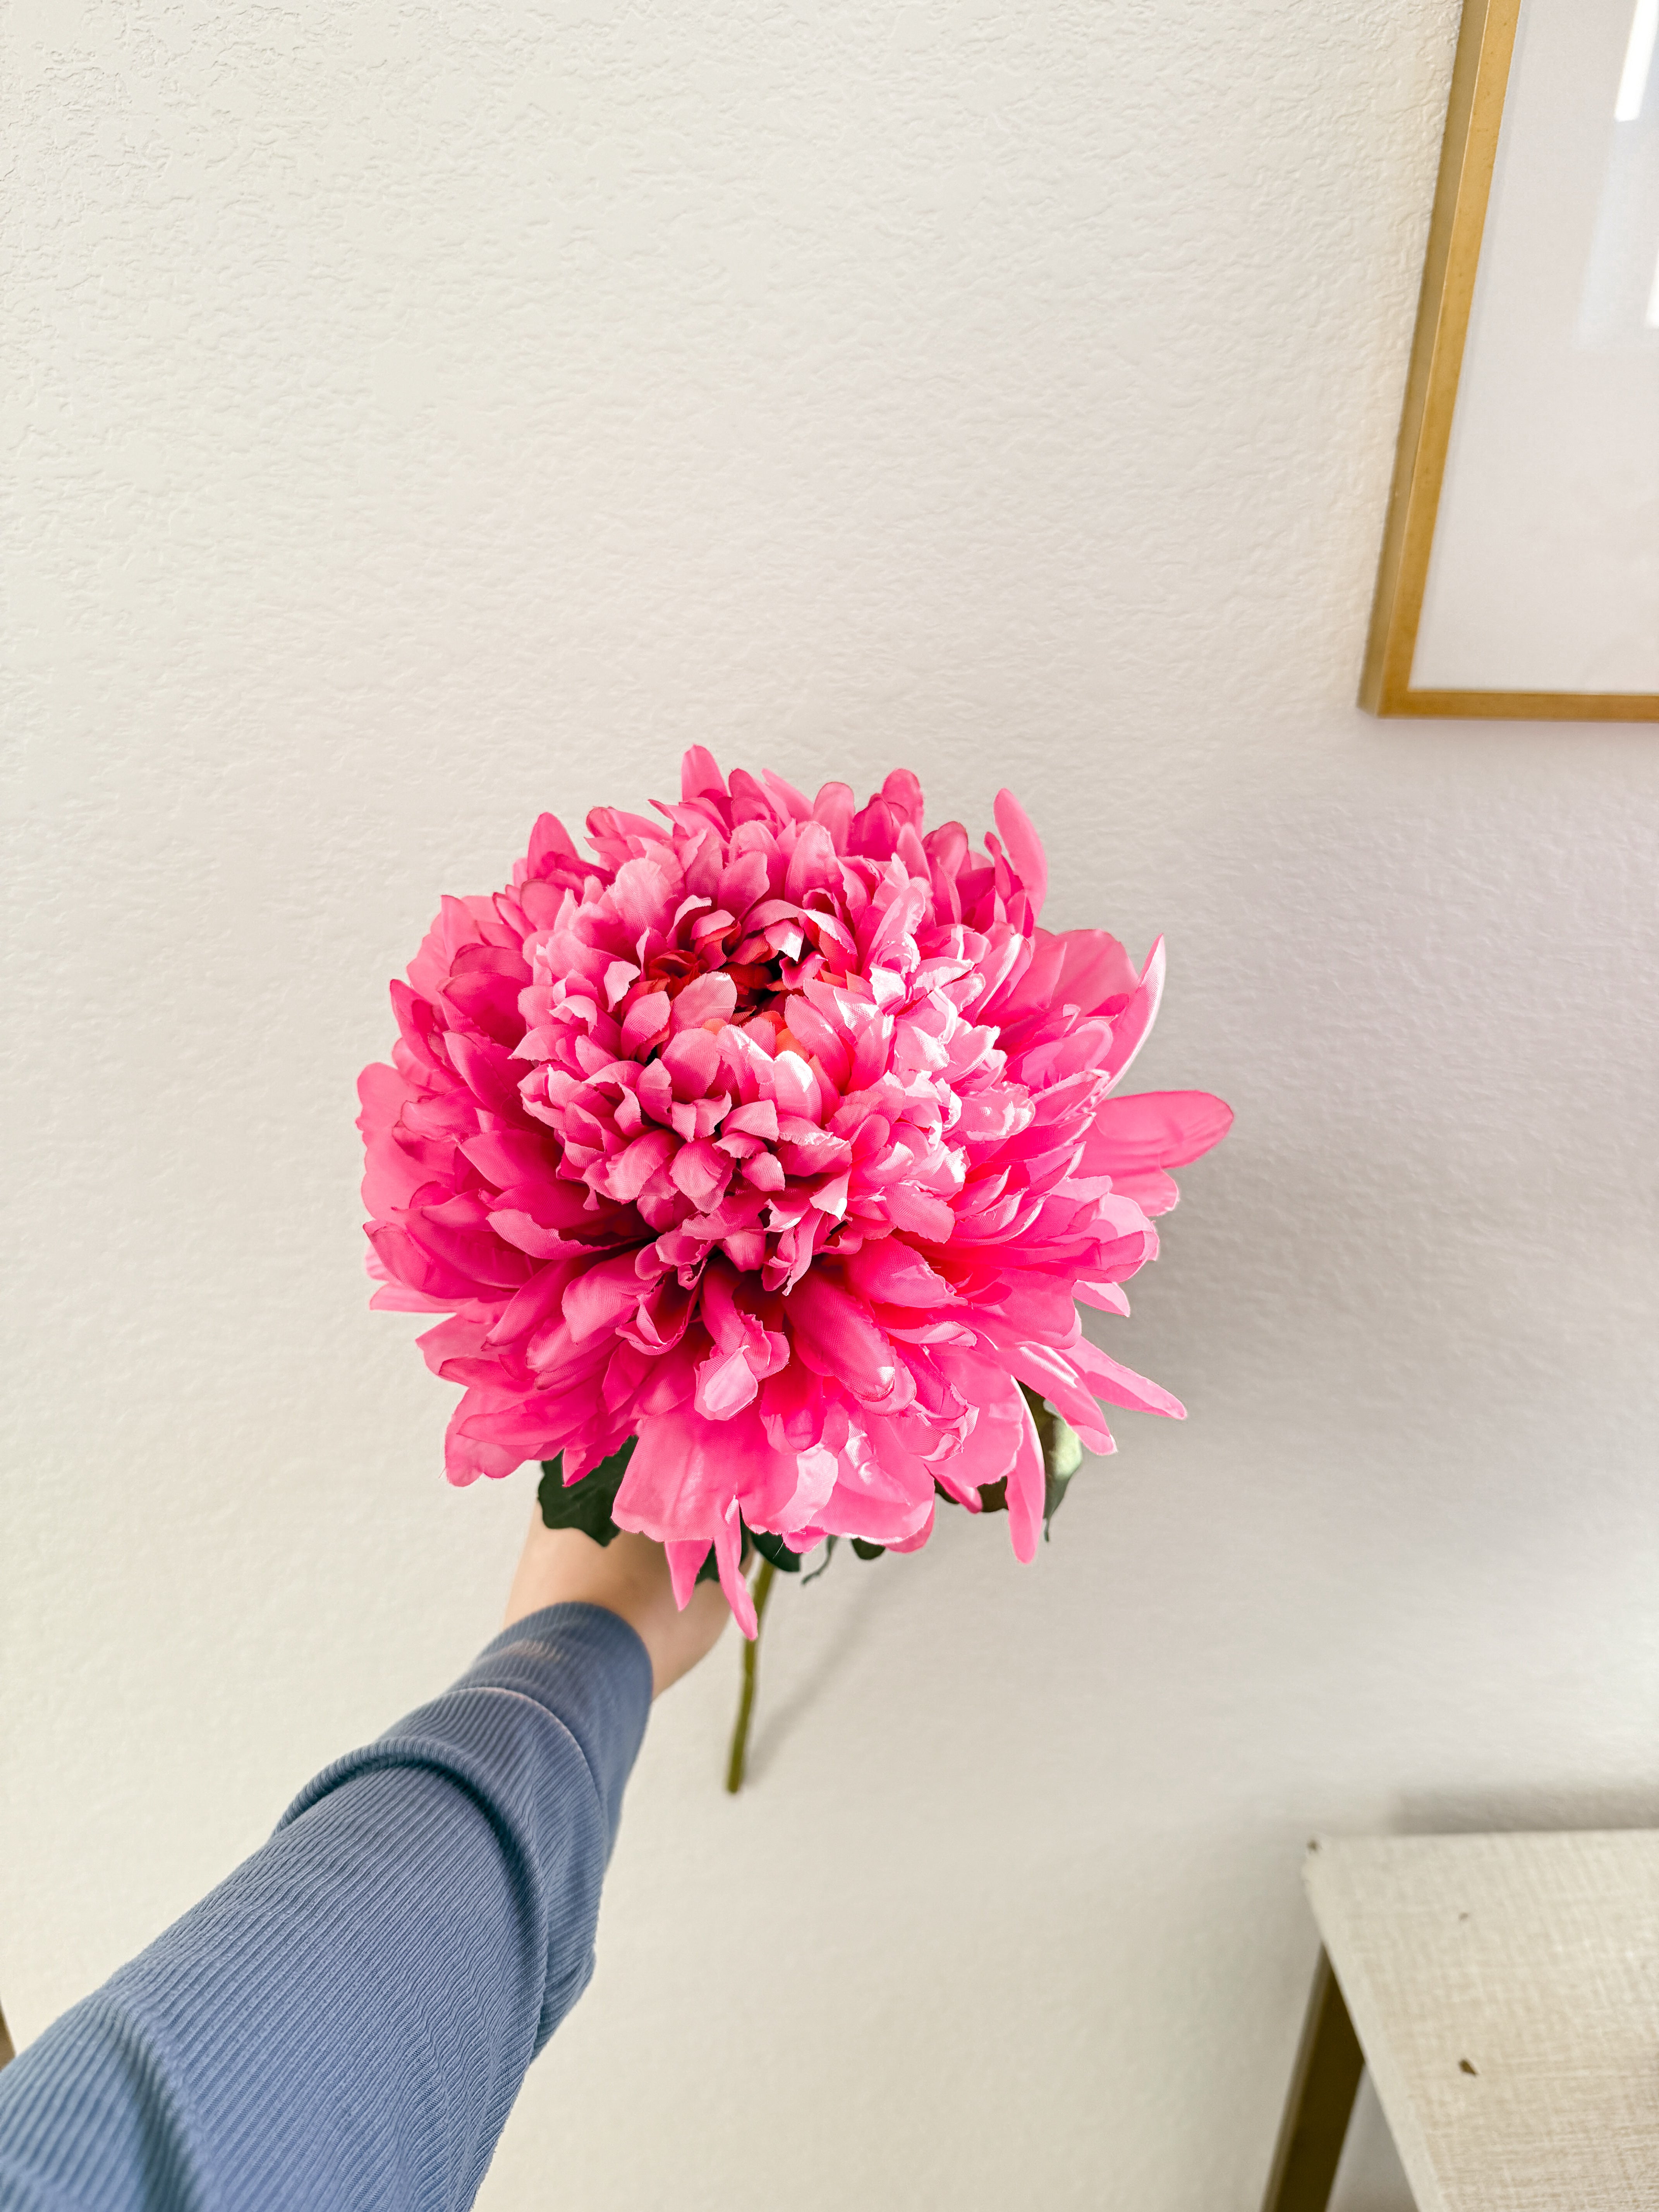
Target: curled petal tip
x: 742, y: 1605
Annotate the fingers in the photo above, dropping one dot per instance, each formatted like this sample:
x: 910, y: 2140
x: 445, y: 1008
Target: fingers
x: 627, y: 1576
x: 693, y: 1635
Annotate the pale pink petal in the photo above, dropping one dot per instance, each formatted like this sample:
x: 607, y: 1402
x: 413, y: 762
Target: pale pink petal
x: 725, y: 1384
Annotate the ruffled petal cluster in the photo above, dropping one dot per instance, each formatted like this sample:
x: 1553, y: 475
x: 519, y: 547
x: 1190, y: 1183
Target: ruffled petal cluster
x: 779, y: 1134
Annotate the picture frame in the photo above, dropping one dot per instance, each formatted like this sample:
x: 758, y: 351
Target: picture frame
x: 1519, y: 576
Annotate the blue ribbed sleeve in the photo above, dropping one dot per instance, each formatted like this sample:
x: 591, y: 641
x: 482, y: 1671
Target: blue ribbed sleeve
x: 344, y: 2022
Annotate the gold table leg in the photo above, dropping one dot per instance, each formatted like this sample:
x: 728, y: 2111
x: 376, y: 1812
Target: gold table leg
x: 1319, y: 2105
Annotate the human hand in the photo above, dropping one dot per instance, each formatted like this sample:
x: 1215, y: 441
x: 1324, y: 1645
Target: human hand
x: 627, y: 1576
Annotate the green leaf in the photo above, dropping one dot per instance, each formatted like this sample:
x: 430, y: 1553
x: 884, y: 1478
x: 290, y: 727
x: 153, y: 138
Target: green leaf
x: 758, y: 1540
x: 773, y: 1548
x: 867, y: 1551
x: 585, y: 1505
x: 1063, y: 1454
x: 829, y: 1544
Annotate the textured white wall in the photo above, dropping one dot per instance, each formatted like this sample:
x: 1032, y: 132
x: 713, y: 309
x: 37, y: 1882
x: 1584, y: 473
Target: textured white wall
x: 425, y: 414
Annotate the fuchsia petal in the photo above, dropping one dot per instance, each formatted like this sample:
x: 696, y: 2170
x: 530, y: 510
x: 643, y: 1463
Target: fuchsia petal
x: 728, y: 1546
x: 1025, y: 1491
x: 699, y: 773
x: 1121, y: 1386
x: 776, y: 1135
x: 1134, y: 1024
x: 1154, y: 1129
x: 889, y: 1273
x: 1153, y: 1192
x: 599, y: 1299
x: 1025, y: 848
x: 645, y: 1021
x: 683, y: 1561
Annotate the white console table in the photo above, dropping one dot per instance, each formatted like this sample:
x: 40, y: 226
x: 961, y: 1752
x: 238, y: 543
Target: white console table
x: 1503, y: 1993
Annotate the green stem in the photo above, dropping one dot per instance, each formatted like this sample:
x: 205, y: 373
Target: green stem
x: 739, y: 1759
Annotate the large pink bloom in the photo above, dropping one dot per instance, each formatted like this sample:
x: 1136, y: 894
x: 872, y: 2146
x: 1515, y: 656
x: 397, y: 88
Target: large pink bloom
x: 781, y: 1137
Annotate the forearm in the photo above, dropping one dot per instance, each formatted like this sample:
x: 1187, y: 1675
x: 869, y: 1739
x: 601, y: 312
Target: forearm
x: 346, y: 2021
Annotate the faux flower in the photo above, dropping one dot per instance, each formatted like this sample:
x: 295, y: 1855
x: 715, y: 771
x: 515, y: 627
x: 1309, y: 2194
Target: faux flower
x: 781, y: 1137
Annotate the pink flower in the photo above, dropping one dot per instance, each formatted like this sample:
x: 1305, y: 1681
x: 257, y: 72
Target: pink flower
x: 780, y: 1136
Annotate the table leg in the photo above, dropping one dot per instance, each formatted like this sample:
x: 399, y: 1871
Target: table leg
x: 1319, y: 2105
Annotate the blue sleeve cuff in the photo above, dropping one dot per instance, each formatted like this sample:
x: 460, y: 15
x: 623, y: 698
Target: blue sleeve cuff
x: 584, y: 1667
x: 541, y: 1733
x: 591, y: 1671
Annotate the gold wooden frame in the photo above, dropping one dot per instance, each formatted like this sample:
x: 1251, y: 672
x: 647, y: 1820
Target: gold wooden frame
x: 1474, y: 115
